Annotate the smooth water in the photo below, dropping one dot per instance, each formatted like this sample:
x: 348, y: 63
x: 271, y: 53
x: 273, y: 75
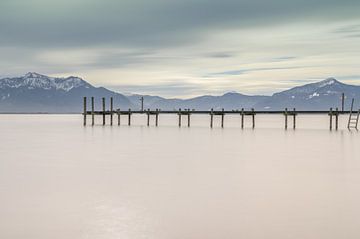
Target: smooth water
x: 59, y: 179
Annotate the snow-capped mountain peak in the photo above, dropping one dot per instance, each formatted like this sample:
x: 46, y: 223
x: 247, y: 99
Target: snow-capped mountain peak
x: 33, y: 80
x: 328, y: 81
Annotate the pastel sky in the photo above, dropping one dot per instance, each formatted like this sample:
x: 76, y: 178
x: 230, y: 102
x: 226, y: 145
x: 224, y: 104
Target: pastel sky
x: 183, y: 48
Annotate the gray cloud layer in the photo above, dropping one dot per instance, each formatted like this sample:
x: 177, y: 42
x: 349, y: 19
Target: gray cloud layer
x: 148, y: 23
x: 205, y: 46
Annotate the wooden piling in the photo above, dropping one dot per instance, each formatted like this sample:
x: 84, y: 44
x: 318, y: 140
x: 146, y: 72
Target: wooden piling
x: 331, y: 115
x: 253, y: 118
x: 294, y: 119
x: 157, y: 117
x: 92, y: 111
x: 222, y: 118
x: 242, y: 118
x: 148, y: 118
x: 188, y: 117
x: 286, y: 118
x: 111, y: 110
x: 84, y: 113
x: 337, y: 119
x: 118, y: 115
x: 129, y: 117
x: 179, y: 117
x: 211, y: 118
x: 103, y: 108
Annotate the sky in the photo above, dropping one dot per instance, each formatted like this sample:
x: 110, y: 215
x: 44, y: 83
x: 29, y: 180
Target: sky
x: 183, y: 48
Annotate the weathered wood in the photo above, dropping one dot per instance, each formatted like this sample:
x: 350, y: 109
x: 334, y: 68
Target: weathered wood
x: 337, y: 119
x: 111, y: 110
x: 286, y: 118
x: 253, y: 118
x: 157, y: 117
x: 342, y: 102
x: 294, y: 119
x: 103, y: 108
x: 188, y: 117
x: 222, y: 118
x: 148, y: 117
x: 331, y: 115
x: 242, y: 118
x: 211, y: 118
x: 129, y: 117
x: 118, y: 115
x: 92, y: 111
x: 84, y: 111
x: 179, y: 117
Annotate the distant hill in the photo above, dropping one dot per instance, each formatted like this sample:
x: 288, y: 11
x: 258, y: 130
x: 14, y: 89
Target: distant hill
x: 34, y: 92
x: 315, y: 96
x: 39, y: 93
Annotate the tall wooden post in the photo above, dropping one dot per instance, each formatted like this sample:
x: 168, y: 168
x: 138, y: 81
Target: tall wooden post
x: 211, y: 117
x: 294, y: 119
x: 129, y: 117
x: 92, y: 111
x: 342, y: 102
x: 222, y: 118
x: 337, y: 119
x: 111, y: 110
x: 331, y: 115
x: 286, y: 118
x: 242, y: 118
x: 253, y: 118
x: 103, y: 106
x: 157, y: 117
x: 188, y: 117
x: 84, y: 113
x: 142, y: 103
x: 148, y: 117
x: 179, y: 117
x: 119, y: 116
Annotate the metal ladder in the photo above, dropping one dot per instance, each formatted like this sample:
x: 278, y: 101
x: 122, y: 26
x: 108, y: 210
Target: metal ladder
x: 353, y: 117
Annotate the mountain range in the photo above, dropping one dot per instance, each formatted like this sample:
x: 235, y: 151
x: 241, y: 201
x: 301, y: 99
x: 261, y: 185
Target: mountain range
x: 36, y: 93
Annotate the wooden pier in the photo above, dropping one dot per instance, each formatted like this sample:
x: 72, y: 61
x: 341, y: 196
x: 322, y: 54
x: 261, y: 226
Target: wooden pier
x: 333, y: 114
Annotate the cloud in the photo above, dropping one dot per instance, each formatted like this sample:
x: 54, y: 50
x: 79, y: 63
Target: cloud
x: 148, y: 23
x: 180, y: 48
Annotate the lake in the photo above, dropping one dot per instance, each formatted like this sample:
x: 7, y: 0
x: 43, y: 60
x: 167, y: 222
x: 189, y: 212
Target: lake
x: 59, y: 179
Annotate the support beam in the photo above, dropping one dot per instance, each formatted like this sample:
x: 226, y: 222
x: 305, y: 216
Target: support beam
x: 253, y: 118
x: 331, y: 115
x: 84, y: 113
x: 294, y: 119
x: 118, y: 115
x: 211, y: 118
x: 242, y: 118
x: 222, y: 118
x: 92, y: 111
x: 188, y: 117
x: 103, y: 108
x: 129, y: 117
x: 157, y: 117
x: 111, y: 110
x: 337, y: 119
x: 286, y: 118
x: 148, y: 118
x: 179, y: 117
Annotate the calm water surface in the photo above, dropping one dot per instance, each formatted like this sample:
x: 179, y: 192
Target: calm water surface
x: 61, y: 180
